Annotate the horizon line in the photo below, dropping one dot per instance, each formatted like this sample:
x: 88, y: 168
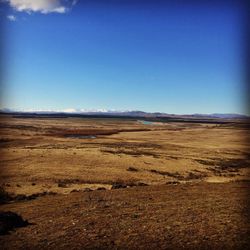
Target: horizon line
x: 104, y: 110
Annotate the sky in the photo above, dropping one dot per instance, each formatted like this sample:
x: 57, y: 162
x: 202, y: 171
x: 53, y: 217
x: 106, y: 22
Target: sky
x: 177, y: 57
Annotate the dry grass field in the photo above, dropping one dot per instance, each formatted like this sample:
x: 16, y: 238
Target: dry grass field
x: 95, y: 183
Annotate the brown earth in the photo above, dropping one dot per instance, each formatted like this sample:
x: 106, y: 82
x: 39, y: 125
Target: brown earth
x: 197, y: 176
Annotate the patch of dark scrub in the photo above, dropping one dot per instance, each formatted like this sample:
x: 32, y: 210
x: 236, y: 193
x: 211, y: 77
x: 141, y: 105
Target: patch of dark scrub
x: 73, y: 136
x: 226, y: 163
x: 135, y: 149
x: 4, y: 140
x: 90, y: 132
x: 205, y: 162
x: 130, y: 145
x: 6, y: 197
x: 22, y: 127
x: 174, y: 174
x: 23, y: 197
x: 132, y: 169
x: 178, y: 176
x: 228, y: 167
x: 64, y: 183
x: 68, y: 182
x: 195, y: 176
x: 10, y: 220
x: 234, y: 163
x: 87, y: 190
x: 125, y: 184
x: 141, y: 184
x: 135, y: 153
x: 242, y: 181
x: 172, y: 182
x: 118, y: 185
x: 173, y: 157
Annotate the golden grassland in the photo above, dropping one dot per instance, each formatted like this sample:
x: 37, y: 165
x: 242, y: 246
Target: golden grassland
x: 187, y: 183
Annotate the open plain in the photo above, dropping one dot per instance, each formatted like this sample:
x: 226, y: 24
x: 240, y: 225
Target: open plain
x: 114, y: 183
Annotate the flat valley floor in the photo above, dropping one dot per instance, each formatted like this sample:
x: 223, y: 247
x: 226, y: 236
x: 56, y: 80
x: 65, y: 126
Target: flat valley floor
x: 89, y: 183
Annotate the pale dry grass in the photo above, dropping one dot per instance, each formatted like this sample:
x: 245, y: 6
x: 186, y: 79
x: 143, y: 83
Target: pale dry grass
x: 35, y: 151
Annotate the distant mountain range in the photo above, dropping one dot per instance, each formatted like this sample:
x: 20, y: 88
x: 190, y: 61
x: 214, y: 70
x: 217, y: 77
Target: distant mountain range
x: 136, y: 113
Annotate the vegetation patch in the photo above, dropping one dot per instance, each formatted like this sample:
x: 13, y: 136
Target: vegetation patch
x: 195, y: 176
x: 176, y: 175
x: 132, y: 169
x: 90, y: 132
x: 6, y: 197
x: 135, y: 153
x: 9, y: 221
x: 225, y: 167
x: 129, y: 183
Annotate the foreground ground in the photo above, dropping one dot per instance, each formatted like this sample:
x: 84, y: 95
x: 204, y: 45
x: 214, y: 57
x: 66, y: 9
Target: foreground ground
x: 187, y: 183
x: 184, y: 216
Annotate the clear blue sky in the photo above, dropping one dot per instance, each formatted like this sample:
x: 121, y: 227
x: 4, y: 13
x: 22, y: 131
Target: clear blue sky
x: 126, y: 55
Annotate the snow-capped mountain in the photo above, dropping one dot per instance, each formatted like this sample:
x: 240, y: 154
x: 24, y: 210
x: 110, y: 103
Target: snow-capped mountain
x: 132, y: 113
